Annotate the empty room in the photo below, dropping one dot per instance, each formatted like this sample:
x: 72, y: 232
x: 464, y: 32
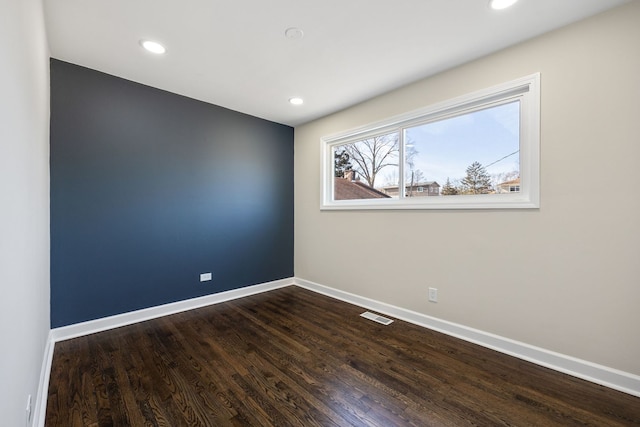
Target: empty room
x: 296, y: 213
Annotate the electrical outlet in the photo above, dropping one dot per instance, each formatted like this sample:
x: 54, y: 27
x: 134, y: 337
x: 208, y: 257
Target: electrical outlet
x: 205, y: 277
x: 433, y: 295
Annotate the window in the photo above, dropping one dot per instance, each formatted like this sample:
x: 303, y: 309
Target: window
x: 477, y: 151
x: 357, y: 166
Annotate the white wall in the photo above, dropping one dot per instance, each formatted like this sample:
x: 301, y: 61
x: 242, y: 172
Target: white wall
x: 24, y: 204
x: 565, y: 277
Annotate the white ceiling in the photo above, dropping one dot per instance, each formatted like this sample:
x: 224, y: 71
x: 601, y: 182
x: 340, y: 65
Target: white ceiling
x: 234, y: 53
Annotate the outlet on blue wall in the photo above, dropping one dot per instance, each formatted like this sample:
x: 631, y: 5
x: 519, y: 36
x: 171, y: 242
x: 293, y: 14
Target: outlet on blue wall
x: 149, y: 189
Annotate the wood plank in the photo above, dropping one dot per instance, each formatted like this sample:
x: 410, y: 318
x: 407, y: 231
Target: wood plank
x: 293, y: 357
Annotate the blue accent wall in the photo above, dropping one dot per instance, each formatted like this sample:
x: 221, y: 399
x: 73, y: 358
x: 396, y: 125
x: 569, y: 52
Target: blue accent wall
x: 149, y: 189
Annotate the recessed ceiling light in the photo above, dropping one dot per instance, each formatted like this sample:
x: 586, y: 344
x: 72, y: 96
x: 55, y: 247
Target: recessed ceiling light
x: 296, y: 101
x: 153, y: 47
x: 501, y: 4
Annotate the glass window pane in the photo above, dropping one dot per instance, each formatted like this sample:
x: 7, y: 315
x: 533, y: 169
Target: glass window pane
x: 365, y: 169
x: 473, y: 153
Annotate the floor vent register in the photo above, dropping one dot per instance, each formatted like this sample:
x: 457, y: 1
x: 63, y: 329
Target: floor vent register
x: 376, y: 318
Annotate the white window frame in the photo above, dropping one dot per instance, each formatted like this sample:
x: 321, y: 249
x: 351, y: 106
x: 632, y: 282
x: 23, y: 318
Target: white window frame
x: 526, y: 90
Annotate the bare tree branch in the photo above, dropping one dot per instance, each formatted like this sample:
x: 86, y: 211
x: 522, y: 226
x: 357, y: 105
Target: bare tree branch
x: 373, y: 154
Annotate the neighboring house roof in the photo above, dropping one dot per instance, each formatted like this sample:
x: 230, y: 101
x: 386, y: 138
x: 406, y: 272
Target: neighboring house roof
x: 512, y: 182
x: 344, y: 189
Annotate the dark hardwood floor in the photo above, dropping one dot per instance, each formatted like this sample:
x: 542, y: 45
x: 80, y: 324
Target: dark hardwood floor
x: 291, y: 357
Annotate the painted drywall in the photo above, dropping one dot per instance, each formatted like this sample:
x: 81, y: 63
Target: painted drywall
x: 150, y: 189
x: 564, y: 277
x: 24, y: 205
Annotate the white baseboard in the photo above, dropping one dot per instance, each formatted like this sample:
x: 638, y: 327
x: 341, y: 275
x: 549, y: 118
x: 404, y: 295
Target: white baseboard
x: 111, y: 322
x: 599, y: 374
x: 40, y: 407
